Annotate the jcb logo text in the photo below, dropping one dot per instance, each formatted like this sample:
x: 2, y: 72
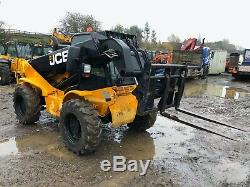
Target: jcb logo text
x: 58, y: 58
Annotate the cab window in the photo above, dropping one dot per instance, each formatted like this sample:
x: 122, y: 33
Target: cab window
x: 80, y: 38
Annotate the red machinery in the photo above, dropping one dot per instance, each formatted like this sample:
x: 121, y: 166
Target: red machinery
x: 163, y: 58
x: 189, y: 44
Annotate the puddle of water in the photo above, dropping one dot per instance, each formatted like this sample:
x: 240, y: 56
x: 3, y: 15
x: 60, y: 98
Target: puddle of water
x: 174, y: 134
x: 41, y: 142
x: 164, y: 137
x: 8, y: 147
x: 193, y: 89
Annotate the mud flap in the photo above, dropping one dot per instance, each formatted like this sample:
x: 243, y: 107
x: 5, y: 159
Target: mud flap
x: 124, y: 109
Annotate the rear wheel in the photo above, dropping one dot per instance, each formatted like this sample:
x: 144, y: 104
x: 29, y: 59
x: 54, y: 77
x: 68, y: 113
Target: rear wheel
x: 5, y: 75
x: 142, y: 123
x: 80, y: 126
x: 27, y: 104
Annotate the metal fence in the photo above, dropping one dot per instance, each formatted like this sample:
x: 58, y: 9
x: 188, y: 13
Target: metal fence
x: 19, y: 32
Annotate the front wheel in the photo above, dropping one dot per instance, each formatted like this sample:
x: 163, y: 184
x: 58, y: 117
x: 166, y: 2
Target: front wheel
x: 80, y: 126
x: 142, y: 123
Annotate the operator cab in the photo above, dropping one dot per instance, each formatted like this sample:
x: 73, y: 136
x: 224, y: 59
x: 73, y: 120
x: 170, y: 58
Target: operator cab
x: 103, y: 72
x: 94, y: 60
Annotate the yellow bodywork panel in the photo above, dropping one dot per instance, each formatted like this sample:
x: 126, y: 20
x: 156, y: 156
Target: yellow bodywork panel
x: 6, y: 57
x: 123, y: 106
x: 119, y: 101
x: 123, y: 111
x: 25, y: 73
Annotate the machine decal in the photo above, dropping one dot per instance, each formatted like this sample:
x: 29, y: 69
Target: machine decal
x: 58, y: 58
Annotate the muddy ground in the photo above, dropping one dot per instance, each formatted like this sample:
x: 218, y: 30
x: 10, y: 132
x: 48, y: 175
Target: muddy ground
x: 180, y: 155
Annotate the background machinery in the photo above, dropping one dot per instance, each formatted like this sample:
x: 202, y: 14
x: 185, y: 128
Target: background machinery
x: 59, y: 39
x: 101, y: 77
x: 5, y: 75
x: 196, y: 58
x: 20, y: 44
x: 162, y: 58
x: 14, y: 49
x: 232, y: 63
x: 237, y: 67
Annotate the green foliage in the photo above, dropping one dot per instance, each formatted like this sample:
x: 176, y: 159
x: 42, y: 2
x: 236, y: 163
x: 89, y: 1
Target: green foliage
x: 118, y: 28
x: 143, y: 36
x: 173, y: 38
x: 135, y: 30
x: 2, y: 32
x: 147, y: 32
x: 75, y: 22
x: 223, y: 45
x: 153, y: 37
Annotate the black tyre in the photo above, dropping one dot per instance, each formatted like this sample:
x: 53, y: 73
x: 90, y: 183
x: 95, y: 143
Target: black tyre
x: 27, y: 104
x: 80, y: 126
x: 142, y: 123
x: 5, y: 75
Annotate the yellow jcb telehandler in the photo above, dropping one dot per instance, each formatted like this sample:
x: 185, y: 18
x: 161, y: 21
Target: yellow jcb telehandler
x: 100, y: 77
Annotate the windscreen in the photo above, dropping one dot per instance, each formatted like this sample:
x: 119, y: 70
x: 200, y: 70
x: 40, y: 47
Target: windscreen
x: 80, y: 38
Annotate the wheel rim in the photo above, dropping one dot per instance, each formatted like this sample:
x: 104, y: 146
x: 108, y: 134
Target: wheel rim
x: 73, y: 128
x: 20, y: 105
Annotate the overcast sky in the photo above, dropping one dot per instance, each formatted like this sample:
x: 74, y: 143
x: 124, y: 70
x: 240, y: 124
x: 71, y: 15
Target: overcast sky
x: 212, y: 19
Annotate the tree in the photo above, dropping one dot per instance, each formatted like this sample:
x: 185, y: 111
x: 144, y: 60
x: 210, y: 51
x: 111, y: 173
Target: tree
x: 173, y: 38
x: 75, y: 22
x: 153, y: 37
x: 2, y: 31
x: 135, y: 30
x: 118, y: 28
x: 147, y: 32
x: 2, y: 24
